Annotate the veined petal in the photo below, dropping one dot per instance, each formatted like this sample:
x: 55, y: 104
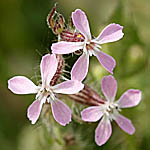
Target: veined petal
x: 80, y: 68
x: 125, y: 124
x: 48, y: 68
x: 66, y: 47
x: 81, y: 23
x: 68, y: 87
x: 92, y: 114
x: 34, y: 110
x: 112, y: 32
x: 61, y: 112
x: 107, y: 61
x: 130, y: 98
x: 109, y: 87
x: 103, y: 131
x: 21, y: 85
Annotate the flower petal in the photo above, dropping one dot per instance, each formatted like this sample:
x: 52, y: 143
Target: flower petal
x: 81, y: 23
x: 109, y: 87
x: 107, y: 61
x: 21, y: 85
x: 48, y: 68
x: 112, y: 32
x: 130, y: 98
x: 61, y: 112
x: 125, y: 124
x: 34, y: 110
x: 103, y: 131
x: 68, y: 87
x: 92, y: 114
x: 66, y: 47
x: 80, y: 68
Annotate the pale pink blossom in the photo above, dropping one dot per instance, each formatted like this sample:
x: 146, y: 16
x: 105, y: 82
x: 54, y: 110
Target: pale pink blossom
x: 45, y: 92
x: 112, y: 32
x: 109, y: 111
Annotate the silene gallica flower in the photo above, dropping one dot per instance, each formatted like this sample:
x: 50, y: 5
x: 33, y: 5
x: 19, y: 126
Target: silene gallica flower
x: 46, y: 92
x: 112, y: 32
x: 110, y: 110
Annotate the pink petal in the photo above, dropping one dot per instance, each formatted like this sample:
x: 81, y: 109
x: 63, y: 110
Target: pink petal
x: 61, y: 112
x: 66, y: 47
x: 109, y: 87
x: 92, y: 114
x: 107, y: 61
x: 103, y: 131
x: 21, y: 85
x: 48, y: 68
x: 34, y: 110
x: 112, y: 32
x: 81, y: 23
x: 68, y: 87
x: 130, y: 98
x: 125, y: 124
x: 80, y: 68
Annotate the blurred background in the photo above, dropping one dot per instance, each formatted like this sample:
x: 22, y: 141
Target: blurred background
x: 25, y: 37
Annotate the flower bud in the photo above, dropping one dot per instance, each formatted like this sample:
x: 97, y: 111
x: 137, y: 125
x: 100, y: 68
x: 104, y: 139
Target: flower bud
x: 87, y: 96
x: 55, y: 21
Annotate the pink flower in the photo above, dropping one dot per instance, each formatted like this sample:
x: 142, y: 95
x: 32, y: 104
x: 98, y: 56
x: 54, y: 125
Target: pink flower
x: 111, y: 33
x: 45, y: 92
x: 110, y: 110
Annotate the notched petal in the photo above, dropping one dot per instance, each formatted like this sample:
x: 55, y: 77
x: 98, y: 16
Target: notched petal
x: 111, y: 33
x: 80, y: 68
x: 130, y: 98
x: 21, y: 85
x: 48, y: 68
x: 68, y: 87
x: 81, y: 23
x: 92, y: 114
x: 109, y: 87
x: 34, y: 110
x: 125, y: 124
x: 103, y: 131
x: 61, y: 112
x: 66, y: 47
x: 107, y: 61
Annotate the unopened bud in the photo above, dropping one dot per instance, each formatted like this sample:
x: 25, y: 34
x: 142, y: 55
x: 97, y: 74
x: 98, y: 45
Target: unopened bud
x: 55, y: 21
x: 59, y: 71
x: 87, y: 96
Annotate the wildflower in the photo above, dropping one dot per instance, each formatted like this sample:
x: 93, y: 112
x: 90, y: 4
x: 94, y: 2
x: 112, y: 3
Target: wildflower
x: 111, y: 33
x: 46, y: 92
x: 110, y: 110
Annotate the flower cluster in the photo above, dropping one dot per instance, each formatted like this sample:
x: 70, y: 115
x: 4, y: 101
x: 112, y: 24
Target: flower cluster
x: 77, y: 39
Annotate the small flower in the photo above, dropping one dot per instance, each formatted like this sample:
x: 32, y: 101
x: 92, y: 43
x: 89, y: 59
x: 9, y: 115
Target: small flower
x: 111, y: 33
x: 46, y: 92
x: 110, y: 110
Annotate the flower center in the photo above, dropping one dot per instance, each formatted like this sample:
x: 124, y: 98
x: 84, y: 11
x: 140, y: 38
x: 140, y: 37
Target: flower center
x: 111, y: 109
x: 45, y: 94
x: 90, y: 46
